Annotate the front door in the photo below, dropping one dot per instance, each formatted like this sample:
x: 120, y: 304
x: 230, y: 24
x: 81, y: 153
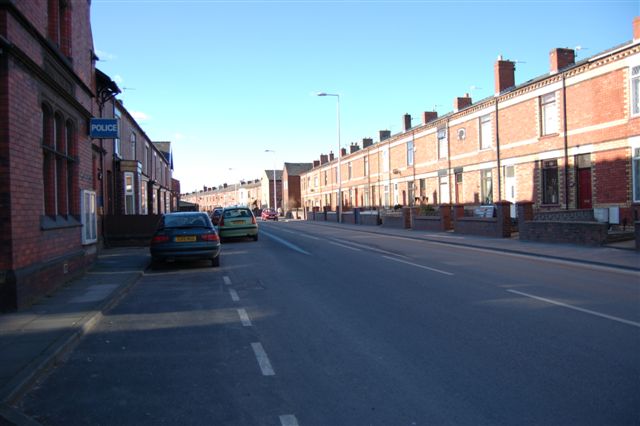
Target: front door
x: 510, y: 188
x: 584, y: 188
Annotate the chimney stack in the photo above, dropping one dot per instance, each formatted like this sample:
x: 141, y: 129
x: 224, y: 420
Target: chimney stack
x: 461, y: 103
x: 354, y: 147
x: 331, y: 156
x: 428, y: 116
x: 324, y: 158
x: 384, y: 134
x: 407, y: 122
x: 636, y: 28
x: 343, y: 152
x: 505, y: 75
x: 560, y: 58
x: 367, y: 142
x: 316, y: 163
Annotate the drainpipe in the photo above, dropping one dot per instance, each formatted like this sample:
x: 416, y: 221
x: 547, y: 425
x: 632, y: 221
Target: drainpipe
x: 498, y: 155
x: 566, y: 143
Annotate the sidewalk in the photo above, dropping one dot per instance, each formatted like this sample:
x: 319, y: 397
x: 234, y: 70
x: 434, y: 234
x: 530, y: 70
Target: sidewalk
x: 33, y: 340
x: 621, y: 255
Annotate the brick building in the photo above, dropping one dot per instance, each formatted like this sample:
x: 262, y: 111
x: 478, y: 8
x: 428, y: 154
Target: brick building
x: 57, y: 185
x: 291, y: 185
x: 569, y: 139
x: 46, y: 170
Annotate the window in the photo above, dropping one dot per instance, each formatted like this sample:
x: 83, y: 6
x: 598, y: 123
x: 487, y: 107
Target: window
x: 548, y: 114
x: 485, y: 131
x: 635, y: 90
x: 410, y: 153
x: 486, y: 187
x: 366, y: 166
x: 423, y: 188
x: 411, y: 191
x: 89, y: 217
x: 147, y: 169
x: 58, y: 168
x: 143, y: 197
x: 129, y: 194
x: 636, y: 175
x: 349, y: 170
x: 550, y: 182
x: 373, y: 195
x: 326, y: 181
x: 59, y: 24
x: 442, y: 143
x: 385, y: 159
x: 386, y: 195
x: 133, y: 146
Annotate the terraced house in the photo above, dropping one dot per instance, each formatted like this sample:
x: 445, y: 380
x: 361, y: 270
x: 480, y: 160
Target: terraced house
x: 569, y: 139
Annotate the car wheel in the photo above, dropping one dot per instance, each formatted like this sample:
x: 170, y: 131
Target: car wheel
x: 215, y: 261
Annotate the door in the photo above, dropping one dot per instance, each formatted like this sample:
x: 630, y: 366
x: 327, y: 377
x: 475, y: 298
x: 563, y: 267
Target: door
x: 510, y: 188
x: 458, y: 179
x: 584, y: 188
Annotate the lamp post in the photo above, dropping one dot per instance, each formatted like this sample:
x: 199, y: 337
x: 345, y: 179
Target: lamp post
x: 275, y: 202
x: 337, y: 96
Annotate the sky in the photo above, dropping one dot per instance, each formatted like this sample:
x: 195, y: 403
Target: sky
x: 225, y: 81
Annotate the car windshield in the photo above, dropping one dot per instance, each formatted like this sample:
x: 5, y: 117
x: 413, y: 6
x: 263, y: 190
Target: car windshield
x: 237, y: 213
x: 185, y: 221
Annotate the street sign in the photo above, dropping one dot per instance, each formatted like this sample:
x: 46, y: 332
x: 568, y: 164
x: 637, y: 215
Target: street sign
x: 104, y: 128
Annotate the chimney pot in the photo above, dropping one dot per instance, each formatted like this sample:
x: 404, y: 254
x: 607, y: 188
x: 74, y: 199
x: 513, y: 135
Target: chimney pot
x: 636, y: 28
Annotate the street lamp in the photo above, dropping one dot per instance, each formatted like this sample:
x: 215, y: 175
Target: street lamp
x: 337, y: 96
x: 275, y: 202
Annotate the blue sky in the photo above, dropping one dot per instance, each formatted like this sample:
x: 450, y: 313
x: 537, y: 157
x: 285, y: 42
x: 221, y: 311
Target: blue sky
x: 227, y: 80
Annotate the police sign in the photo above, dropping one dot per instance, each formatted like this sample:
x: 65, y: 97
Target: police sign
x: 104, y: 128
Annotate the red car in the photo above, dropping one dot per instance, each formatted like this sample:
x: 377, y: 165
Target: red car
x: 269, y: 214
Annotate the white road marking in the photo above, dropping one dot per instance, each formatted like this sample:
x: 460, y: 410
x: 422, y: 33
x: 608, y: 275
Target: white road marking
x: 374, y: 249
x: 226, y: 280
x: 300, y: 234
x: 575, y: 308
x: 344, y: 245
x: 244, y: 318
x: 263, y: 359
x: 286, y: 243
x: 234, y: 295
x: 113, y: 272
x: 419, y: 266
x: 288, y: 420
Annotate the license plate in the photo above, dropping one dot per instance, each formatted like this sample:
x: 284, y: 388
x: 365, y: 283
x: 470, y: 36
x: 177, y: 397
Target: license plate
x: 238, y: 222
x: 186, y: 239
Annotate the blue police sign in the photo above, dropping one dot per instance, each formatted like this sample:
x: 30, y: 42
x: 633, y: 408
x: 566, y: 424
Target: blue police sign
x: 104, y: 128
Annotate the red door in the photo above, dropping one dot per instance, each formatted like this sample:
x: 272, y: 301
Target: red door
x: 584, y: 188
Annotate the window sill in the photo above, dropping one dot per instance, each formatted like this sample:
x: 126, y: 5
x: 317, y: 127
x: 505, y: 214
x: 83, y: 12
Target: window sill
x: 549, y: 136
x: 58, y: 222
x: 554, y: 205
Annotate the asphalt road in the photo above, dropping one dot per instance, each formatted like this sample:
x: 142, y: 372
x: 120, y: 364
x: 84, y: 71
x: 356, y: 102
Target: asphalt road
x: 314, y: 325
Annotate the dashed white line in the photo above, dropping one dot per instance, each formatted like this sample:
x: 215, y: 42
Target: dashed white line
x: 575, y: 308
x: 419, y: 266
x: 286, y: 243
x: 244, y: 318
x: 288, y: 420
x: 226, y: 280
x: 234, y: 295
x: 344, y: 245
x: 263, y: 359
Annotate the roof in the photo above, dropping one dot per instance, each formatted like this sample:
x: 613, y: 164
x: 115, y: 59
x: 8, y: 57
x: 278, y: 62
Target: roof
x: 296, y: 169
x: 165, y: 148
x: 269, y: 174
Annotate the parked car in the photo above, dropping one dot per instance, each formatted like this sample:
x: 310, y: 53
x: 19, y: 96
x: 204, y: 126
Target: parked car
x: 215, y: 216
x: 187, y: 236
x: 237, y: 222
x: 269, y: 214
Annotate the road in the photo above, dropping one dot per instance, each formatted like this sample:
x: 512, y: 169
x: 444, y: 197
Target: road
x: 319, y: 325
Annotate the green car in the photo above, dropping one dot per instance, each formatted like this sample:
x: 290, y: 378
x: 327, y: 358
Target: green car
x: 237, y: 222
